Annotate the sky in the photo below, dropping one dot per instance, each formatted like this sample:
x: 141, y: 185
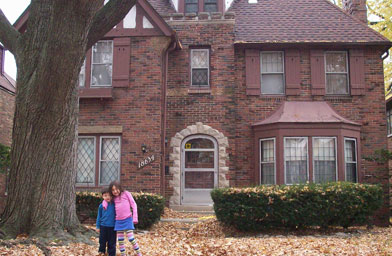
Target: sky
x: 12, y: 9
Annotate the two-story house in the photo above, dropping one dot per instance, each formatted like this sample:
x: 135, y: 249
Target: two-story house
x: 184, y: 96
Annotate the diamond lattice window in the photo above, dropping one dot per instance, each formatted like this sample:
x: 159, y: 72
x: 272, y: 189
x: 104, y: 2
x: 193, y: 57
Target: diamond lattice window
x: 85, y: 161
x: 109, y: 160
x: 200, y: 67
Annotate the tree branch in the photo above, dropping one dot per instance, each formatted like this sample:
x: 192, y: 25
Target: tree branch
x: 8, y: 34
x: 108, y: 17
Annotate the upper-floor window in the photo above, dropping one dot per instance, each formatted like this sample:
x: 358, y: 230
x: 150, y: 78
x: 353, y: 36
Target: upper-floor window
x: 272, y: 73
x: 389, y: 121
x: 101, y: 63
x: 82, y: 74
x: 210, y: 6
x: 191, y: 6
x: 336, y: 72
x: 200, y: 67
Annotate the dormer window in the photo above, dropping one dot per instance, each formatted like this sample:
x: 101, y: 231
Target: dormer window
x: 191, y: 6
x: 196, y: 6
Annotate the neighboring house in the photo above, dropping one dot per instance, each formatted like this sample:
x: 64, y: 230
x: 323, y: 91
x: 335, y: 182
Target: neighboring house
x: 184, y: 96
x: 7, y: 102
x: 7, y: 106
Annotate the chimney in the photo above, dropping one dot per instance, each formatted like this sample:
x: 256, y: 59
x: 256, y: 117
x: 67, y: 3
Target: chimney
x: 357, y: 8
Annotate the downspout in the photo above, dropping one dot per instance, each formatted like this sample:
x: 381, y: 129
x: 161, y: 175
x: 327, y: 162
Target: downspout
x: 165, y: 61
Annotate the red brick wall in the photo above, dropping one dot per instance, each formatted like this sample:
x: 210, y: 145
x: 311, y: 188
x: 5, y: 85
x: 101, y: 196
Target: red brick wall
x: 215, y: 108
x: 137, y: 109
x: 7, y: 103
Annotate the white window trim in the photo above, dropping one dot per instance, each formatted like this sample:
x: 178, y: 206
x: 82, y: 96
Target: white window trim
x: 92, y: 64
x: 83, y: 184
x: 283, y: 72
x: 352, y: 162
x: 100, y: 155
x: 260, y: 157
x: 347, y: 72
x: 336, y: 157
x: 284, y: 157
x: 208, y: 66
x: 83, y: 69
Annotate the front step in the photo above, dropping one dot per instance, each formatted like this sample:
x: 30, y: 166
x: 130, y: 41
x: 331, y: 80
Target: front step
x: 208, y: 209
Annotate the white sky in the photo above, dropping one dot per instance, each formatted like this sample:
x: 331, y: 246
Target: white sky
x: 12, y: 10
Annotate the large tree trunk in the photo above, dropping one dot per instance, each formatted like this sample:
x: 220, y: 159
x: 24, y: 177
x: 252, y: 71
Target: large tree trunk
x: 41, y: 193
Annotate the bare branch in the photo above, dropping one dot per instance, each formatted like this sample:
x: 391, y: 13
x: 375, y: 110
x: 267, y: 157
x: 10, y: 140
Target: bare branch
x: 8, y: 34
x: 372, y: 11
x: 108, y: 17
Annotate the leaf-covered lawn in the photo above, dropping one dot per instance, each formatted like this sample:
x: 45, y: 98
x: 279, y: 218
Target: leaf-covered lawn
x: 209, y: 238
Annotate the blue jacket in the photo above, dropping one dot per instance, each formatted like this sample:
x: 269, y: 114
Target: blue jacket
x: 106, y: 217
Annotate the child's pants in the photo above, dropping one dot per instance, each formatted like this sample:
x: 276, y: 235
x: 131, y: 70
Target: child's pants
x: 121, y: 236
x: 107, y: 235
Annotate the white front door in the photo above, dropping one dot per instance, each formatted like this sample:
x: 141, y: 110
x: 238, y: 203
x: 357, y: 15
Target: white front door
x: 199, y: 169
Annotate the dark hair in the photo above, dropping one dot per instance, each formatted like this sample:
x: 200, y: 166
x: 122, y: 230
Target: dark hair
x: 105, y: 190
x: 116, y: 184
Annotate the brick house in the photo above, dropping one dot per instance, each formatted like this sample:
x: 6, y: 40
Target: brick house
x: 183, y: 96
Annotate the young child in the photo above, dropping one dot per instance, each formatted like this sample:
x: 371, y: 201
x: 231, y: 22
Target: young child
x: 125, y: 219
x: 105, y: 225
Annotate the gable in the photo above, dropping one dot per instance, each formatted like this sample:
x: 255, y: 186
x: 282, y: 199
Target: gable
x: 299, y: 21
x: 142, y: 20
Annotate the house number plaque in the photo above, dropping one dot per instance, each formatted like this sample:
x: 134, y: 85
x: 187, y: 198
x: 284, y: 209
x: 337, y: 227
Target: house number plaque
x: 146, y: 161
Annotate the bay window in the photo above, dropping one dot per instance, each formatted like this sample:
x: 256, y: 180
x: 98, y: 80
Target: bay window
x: 350, y: 156
x: 267, y: 161
x: 296, y: 159
x: 324, y: 159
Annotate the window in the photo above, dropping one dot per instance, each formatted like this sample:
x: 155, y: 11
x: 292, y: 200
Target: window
x: 210, y: 6
x: 336, y: 71
x: 101, y: 63
x: 267, y: 161
x: 324, y: 159
x: 296, y: 159
x: 200, y: 67
x: 191, y: 6
x: 350, y: 156
x: 91, y: 173
x: 389, y: 122
x: 272, y: 73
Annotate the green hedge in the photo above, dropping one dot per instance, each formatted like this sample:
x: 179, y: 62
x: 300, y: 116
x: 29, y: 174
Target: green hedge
x: 330, y: 204
x: 150, y: 206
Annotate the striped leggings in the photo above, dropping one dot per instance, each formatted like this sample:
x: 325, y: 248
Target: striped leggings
x: 121, y: 236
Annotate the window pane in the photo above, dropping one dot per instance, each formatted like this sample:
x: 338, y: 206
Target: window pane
x: 210, y: 7
x: 109, y: 171
x: 102, y: 52
x: 85, y: 161
x: 324, y: 157
x: 199, y: 143
x: 199, y: 59
x: 200, y: 77
x: 110, y: 160
x: 336, y: 62
x: 296, y: 159
x: 272, y: 84
x: 191, y: 6
x: 101, y: 74
x: 351, y: 160
x: 199, y: 159
x: 271, y: 62
x: 337, y: 84
x: 199, y: 180
x: 267, y: 166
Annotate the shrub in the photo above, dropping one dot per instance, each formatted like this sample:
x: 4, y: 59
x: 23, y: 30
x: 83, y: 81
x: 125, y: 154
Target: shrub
x: 150, y: 206
x: 330, y: 204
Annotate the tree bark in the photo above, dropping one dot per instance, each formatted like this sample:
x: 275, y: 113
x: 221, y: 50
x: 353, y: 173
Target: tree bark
x: 49, y: 55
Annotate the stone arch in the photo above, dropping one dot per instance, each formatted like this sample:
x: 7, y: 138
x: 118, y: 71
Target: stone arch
x: 175, y: 157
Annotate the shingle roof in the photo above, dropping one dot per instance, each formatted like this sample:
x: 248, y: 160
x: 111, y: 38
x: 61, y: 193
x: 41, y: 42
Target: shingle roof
x: 299, y: 21
x: 163, y: 7
x: 7, y: 82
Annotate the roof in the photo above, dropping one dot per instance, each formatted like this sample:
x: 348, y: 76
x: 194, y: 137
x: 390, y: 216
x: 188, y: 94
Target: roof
x: 305, y: 112
x: 299, y: 21
x: 163, y: 7
x: 7, y: 82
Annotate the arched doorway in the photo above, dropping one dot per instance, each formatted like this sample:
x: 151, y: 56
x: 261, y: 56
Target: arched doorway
x: 199, y: 169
